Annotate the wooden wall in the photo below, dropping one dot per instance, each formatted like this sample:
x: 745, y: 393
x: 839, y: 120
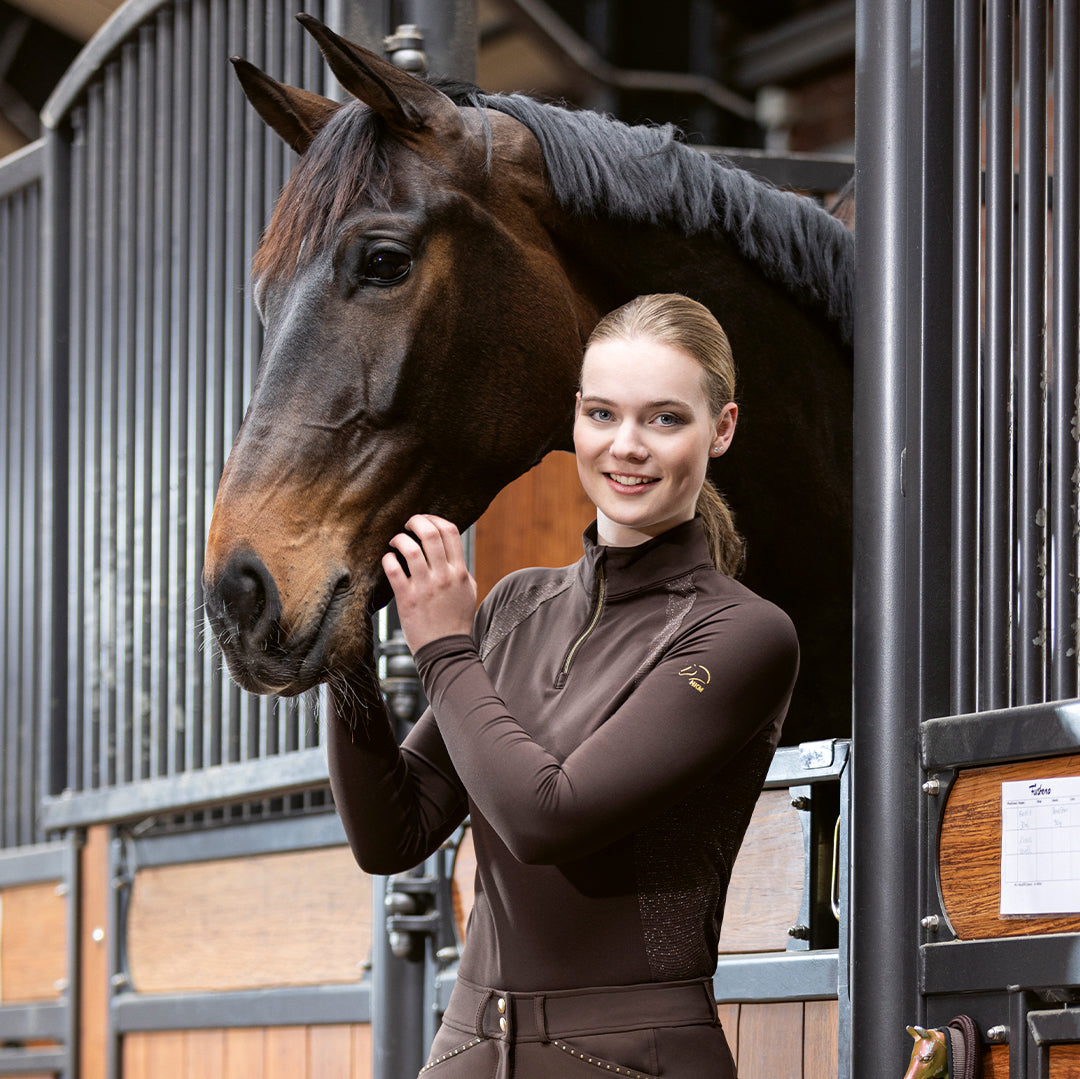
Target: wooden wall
x: 302, y: 1052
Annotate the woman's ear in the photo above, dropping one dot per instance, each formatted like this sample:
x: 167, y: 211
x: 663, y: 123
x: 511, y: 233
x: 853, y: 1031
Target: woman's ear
x: 725, y: 428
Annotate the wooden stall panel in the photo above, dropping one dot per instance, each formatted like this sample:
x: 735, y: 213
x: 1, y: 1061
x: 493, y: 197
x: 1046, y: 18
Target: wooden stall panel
x: 767, y: 882
x: 33, y: 942
x: 293, y: 918
x: 821, y: 1039
x: 301, y: 1052
x: 970, y: 851
x: 536, y: 521
x: 771, y: 1041
x: 1065, y: 1062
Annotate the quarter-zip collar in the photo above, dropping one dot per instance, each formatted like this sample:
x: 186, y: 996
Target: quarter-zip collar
x: 634, y: 569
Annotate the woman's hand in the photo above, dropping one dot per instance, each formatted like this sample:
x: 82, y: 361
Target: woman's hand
x: 437, y: 597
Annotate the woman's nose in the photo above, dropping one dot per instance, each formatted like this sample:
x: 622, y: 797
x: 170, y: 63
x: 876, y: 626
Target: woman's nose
x: 627, y: 444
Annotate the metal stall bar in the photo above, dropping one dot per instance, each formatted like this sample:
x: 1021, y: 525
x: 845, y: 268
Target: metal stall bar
x: 997, y: 567
x: 967, y: 213
x: 883, y: 908
x: 1064, y: 643
x: 1030, y: 642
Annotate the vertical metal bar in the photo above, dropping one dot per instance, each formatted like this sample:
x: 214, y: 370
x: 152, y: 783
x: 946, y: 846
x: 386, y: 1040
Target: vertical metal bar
x: 199, y: 704
x: 70, y: 365
x: 159, y: 336
x: 14, y: 367
x: 885, y: 756
x: 997, y: 564
x: 126, y: 125
x: 1065, y: 372
x: 181, y: 697
x: 53, y: 706
x: 1031, y: 358
x: 94, y: 244
x: 34, y: 491
x: 142, y: 441
x: 218, y: 284
x: 967, y: 220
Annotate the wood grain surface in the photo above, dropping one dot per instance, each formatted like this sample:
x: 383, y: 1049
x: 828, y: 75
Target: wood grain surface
x: 95, y: 991
x: 301, y: 1052
x: 969, y: 860
x: 767, y: 882
x: 294, y: 918
x: 33, y: 942
x: 536, y: 521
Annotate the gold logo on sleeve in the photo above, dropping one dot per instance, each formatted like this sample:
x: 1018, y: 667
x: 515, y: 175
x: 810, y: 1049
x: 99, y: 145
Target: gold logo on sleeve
x: 697, y: 675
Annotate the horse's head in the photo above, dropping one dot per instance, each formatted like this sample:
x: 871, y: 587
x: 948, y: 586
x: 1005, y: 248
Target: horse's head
x: 929, y: 1056
x: 421, y: 350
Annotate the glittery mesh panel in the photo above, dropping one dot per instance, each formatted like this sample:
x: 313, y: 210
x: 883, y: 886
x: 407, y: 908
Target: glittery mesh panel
x: 683, y: 862
x: 680, y: 602
x: 512, y: 614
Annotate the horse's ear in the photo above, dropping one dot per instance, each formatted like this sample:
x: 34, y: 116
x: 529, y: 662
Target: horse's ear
x: 296, y: 115
x: 407, y: 104
x: 913, y: 1032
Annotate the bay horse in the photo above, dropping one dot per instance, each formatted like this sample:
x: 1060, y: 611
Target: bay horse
x: 429, y: 275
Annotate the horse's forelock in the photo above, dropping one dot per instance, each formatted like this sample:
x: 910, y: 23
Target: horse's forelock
x: 346, y: 166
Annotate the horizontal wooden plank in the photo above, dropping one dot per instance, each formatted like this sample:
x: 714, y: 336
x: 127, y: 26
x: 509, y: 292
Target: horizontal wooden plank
x: 293, y: 918
x: 33, y: 942
x: 969, y: 860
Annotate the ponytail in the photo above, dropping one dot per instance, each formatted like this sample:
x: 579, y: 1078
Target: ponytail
x: 726, y: 546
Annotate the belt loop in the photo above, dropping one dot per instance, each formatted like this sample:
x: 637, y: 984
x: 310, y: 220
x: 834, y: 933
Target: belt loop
x: 480, y: 1010
x: 541, y: 1019
x: 710, y: 996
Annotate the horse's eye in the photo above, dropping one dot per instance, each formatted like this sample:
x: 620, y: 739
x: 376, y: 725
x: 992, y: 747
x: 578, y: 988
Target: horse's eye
x: 387, y: 265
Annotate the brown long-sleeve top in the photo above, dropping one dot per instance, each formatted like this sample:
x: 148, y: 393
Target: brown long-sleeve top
x: 609, y: 728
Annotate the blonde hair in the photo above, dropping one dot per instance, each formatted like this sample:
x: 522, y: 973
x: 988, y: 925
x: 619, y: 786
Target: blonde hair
x: 679, y: 322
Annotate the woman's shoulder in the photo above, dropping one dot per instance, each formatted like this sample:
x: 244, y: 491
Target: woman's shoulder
x: 724, y: 598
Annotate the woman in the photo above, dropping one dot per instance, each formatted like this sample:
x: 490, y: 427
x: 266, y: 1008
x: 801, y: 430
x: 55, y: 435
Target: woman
x: 608, y: 726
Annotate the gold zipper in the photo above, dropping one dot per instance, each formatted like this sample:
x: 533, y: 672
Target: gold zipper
x: 600, y: 592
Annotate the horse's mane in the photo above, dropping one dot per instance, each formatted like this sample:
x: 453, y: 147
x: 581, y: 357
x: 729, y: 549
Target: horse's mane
x: 597, y: 167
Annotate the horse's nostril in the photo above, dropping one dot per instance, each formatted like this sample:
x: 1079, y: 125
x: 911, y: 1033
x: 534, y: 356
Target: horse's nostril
x: 247, y: 599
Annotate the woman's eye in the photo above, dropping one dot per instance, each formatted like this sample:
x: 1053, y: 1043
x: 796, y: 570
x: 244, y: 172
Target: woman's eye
x: 666, y: 419
x: 601, y: 414
x: 387, y: 265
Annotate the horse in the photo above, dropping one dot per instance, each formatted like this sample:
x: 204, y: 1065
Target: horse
x: 427, y: 280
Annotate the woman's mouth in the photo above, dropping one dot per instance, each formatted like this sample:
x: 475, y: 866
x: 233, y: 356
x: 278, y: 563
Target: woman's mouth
x: 622, y: 481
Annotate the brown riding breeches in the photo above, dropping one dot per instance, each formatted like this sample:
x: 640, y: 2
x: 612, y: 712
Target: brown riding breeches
x: 661, y: 1029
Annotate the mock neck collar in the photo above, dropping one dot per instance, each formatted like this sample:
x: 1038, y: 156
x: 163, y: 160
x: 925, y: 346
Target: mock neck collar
x: 630, y: 569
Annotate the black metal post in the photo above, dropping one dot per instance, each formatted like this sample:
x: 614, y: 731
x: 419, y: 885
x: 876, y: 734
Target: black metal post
x: 885, y: 761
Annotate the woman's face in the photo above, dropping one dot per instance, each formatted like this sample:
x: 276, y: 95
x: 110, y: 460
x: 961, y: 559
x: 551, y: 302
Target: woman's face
x: 644, y: 435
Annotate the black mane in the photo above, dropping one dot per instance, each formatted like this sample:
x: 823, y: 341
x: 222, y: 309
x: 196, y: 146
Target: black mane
x: 602, y: 167
x: 597, y: 167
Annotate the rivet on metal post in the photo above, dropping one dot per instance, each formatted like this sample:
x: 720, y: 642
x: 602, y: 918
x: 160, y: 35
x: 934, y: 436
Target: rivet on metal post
x: 931, y: 922
x: 932, y: 787
x: 801, y: 803
x: 799, y: 932
x: 405, y: 48
x: 998, y: 1035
